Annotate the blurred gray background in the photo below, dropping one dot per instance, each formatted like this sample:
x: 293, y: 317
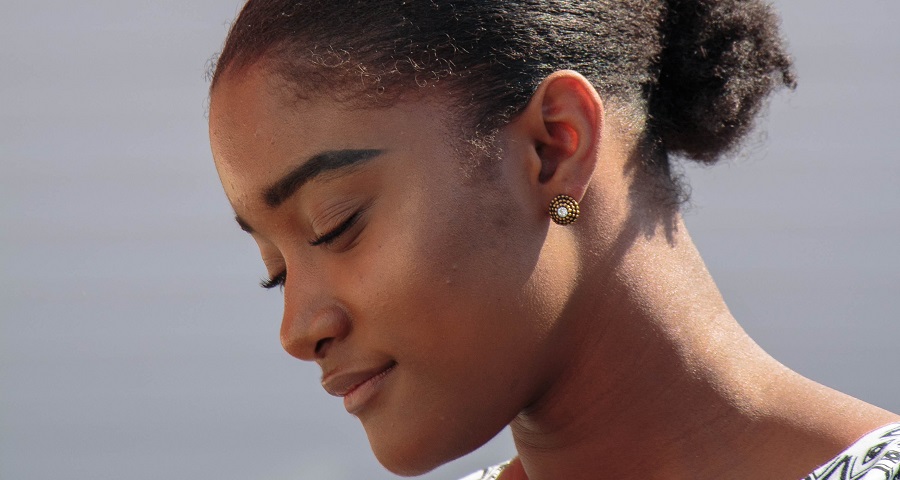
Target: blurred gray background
x: 134, y: 343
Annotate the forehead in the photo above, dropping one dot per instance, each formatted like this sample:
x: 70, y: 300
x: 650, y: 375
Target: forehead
x: 259, y: 130
x: 252, y: 129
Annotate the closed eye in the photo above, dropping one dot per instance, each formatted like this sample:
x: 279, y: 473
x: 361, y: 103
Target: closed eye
x: 276, y: 281
x: 324, y: 239
x: 331, y: 236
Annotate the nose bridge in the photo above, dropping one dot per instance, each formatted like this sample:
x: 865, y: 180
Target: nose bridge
x: 313, y: 319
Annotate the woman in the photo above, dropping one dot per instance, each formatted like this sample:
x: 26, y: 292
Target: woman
x: 470, y: 209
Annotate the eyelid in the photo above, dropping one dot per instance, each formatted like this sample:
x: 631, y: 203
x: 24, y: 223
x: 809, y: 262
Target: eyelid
x: 324, y: 239
x: 328, y: 237
x: 276, y: 281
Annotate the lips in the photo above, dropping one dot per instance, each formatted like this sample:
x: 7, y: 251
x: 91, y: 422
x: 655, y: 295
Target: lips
x: 343, y: 384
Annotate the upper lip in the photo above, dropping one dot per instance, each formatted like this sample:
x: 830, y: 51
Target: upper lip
x: 341, y: 384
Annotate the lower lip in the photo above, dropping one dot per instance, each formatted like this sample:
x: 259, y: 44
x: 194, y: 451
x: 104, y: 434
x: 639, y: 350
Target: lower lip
x: 363, y: 393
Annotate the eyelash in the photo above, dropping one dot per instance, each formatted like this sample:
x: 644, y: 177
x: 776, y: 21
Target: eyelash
x: 324, y: 239
x: 327, y: 238
x: 276, y: 281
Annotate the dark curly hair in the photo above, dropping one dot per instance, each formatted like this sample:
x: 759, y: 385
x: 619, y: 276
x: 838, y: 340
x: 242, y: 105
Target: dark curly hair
x: 691, y: 74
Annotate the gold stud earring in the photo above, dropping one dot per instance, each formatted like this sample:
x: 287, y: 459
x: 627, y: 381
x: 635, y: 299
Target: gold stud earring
x: 564, y: 210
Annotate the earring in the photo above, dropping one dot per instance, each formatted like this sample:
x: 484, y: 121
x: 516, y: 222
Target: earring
x: 564, y: 210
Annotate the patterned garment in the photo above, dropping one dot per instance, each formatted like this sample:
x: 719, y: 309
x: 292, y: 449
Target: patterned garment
x: 875, y: 456
x: 488, y: 473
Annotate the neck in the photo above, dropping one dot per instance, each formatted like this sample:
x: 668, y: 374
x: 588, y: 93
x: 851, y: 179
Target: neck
x: 660, y: 382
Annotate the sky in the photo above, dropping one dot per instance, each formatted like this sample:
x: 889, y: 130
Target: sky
x: 134, y: 342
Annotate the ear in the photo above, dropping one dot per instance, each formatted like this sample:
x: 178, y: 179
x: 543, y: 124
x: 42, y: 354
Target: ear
x: 563, y: 125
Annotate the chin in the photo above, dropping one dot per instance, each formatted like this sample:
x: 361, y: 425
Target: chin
x: 409, y: 458
x: 411, y: 453
x: 405, y: 469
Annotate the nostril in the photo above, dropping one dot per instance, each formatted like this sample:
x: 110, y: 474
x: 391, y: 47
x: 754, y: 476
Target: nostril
x: 308, y: 334
x: 321, y: 345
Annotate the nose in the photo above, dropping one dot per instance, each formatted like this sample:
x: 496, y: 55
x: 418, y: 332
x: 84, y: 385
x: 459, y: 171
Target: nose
x: 311, y: 324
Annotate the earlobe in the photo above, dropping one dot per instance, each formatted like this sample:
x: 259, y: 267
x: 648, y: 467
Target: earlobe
x: 564, y: 120
x: 564, y: 210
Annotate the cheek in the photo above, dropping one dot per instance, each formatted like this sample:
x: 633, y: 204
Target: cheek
x: 455, y: 278
x: 445, y: 283
x: 460, y: 277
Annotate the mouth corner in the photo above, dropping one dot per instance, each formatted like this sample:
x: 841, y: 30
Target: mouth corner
x: 341, y: 385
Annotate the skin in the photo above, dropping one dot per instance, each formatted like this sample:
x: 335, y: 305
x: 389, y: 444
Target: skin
x: 605, y: 344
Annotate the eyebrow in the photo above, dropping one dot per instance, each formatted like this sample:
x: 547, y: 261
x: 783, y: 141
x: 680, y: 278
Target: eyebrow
x: 307, y: 171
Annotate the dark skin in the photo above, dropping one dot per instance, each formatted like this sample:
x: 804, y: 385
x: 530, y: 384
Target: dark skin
x: 592, y: 340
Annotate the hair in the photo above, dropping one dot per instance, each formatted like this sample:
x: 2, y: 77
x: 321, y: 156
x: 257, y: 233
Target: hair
x: 691, y: 75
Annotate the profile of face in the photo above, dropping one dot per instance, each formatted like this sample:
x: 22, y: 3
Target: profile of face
x: 424, y: 285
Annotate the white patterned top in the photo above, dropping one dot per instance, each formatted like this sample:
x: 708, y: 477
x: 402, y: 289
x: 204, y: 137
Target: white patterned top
x: 490, y: 473
x: 876, y: 456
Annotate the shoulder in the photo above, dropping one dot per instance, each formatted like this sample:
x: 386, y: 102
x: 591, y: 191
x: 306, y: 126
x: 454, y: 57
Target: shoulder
x: 877, y: 453
x: 490, y: 473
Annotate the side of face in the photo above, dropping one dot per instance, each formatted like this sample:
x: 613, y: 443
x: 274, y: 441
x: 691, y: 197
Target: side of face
x: 442, y: 274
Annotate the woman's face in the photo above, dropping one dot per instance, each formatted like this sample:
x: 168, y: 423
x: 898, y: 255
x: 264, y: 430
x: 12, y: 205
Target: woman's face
x: 422, y: 288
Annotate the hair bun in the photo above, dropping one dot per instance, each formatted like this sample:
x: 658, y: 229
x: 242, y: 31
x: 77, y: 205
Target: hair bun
x: 720, y: 61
